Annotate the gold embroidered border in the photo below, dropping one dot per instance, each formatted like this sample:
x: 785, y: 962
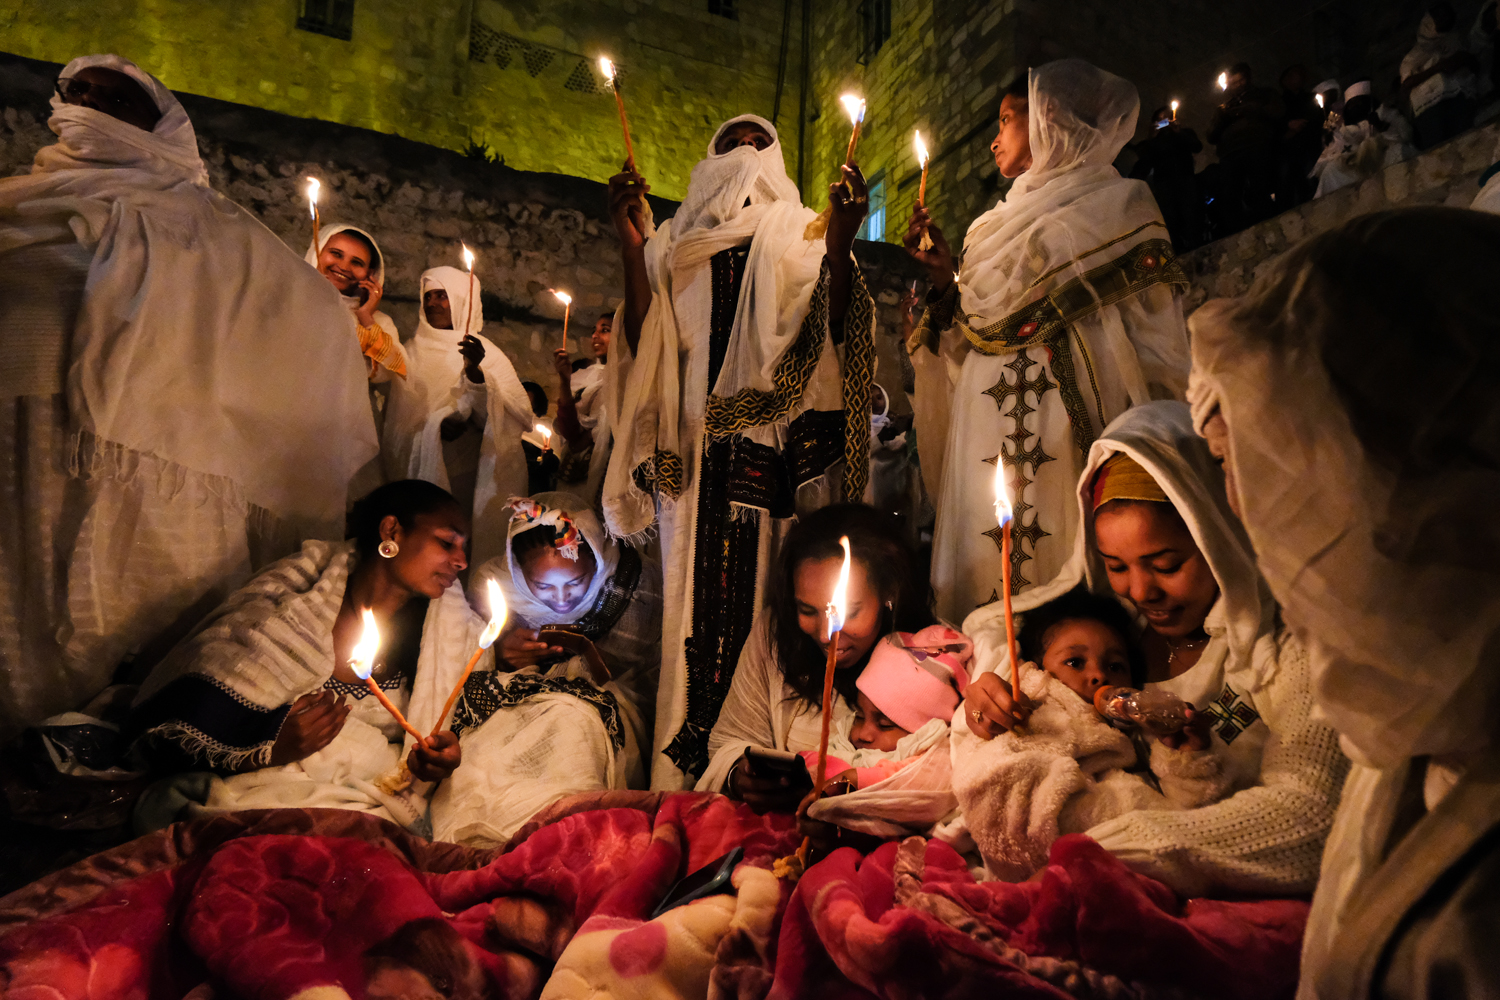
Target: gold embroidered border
x: 1103, y: 246
x: 858, y: 376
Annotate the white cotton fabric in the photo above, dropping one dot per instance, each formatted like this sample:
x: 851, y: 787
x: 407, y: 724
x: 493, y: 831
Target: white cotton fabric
x: 1356, y: 152
x: 913, y: 801
x: 518, y: 596
x: 1284, y: 770
x: 1432, y: 48
x: 1070, y: 212
x: 435, y: 388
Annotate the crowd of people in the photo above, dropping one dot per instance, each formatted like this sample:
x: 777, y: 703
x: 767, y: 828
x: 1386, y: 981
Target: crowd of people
x: 224, y: 462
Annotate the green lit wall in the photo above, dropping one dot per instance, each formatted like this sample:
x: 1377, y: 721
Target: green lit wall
x: 517, y: 77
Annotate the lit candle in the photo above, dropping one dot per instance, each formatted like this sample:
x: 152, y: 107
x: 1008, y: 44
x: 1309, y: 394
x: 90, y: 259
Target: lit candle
x: 546, y: 434
x: 921, y: 147
x: 1005, y: 514
x: 567, y: 301
x: 855, y: 106
x: 486, y: 640
x: 1174, y: 111
x: 837, y: 609
x: 1223, y: 81
x: 608, y: 69
x: 362, y: 662
x: 469, y: 300
x: 313, y: 185
x: 1319, y: 99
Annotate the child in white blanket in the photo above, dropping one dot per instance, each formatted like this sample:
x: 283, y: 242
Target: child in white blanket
x: 1067, y: 769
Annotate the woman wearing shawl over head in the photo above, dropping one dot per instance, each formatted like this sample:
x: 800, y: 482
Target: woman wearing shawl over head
x: 457, y: 418
x: 169, y: 381
x: 538, y: 722
x: 1361, y: 435
x: 738, y: 392
x: 1158, y: 532
x: 1067, y: 310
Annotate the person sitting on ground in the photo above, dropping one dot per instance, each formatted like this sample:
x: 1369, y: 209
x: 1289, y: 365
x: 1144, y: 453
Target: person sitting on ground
x: 573, y: 679
x: 267, y: 694
x: 1438, y: 78
x: 776, y: 698
x: 1361, y: 147
x: 1069, y: 769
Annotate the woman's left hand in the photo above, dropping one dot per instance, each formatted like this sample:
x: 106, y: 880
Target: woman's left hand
x: 1197, y: 736
x: 438, y: 759
x: 848, y: 201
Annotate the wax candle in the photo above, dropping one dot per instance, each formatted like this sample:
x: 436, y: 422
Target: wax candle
x: 469, y: 300
x: 613, y: 78
x: 1005, y: 514
x: 546, y: 434
x: 313, y: 186
x: 362, y: 662
x: 567, y: 301
x: 1174, y: 110
x: 1223, y: 81
x: 486, y: 640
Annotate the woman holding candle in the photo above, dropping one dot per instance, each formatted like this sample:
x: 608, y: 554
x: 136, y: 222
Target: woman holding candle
x: 741, y: 360
x: 351, y: 261
x: 560, y: 571
x: 1158, y: 533
x: 266, y: 696
x: 775, y: 700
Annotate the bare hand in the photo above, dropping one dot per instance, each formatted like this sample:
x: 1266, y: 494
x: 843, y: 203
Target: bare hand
x: 310, y: 725
x: 762, y: 794
x: 989, y: 695
x: 437, y: 759
x: 520, y: 648
x: 939, y: 259
x: 374, y: 293
x: 848, y: 201
x: 627, y: 206
x: 564, y: 367
x: 472, y: 349
x: 1197, y: 736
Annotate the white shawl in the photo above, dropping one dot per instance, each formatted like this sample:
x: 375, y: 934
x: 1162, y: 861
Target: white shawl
x: 512, y: 580
x: 200, y: 340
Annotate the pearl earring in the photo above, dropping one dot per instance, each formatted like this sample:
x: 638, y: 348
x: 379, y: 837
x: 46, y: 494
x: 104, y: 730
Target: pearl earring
x: 388, y: 549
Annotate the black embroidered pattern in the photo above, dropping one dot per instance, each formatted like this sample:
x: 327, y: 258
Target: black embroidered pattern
x: 1232, y: 715
x: 1019, y: 457
x: 613, y: 600
x: 360, y: 689
x: 814, y: 441
x: 487, y: 693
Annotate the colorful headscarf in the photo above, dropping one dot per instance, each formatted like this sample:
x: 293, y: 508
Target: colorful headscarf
x: 536, y: 515
x: 1123, y: 478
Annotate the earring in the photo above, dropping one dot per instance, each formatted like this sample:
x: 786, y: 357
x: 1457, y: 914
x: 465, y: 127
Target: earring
x: 890, y: 606
x: 388, y: 549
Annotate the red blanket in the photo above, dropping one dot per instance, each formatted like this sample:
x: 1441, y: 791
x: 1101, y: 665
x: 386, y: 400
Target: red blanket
x: 266, y: 905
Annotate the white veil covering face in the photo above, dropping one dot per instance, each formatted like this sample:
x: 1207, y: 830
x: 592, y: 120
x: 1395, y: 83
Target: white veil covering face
x: 200, y: 339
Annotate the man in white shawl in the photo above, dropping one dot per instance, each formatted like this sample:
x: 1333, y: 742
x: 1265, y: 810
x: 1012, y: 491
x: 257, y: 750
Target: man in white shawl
x: 172, y: 411
x: 1067, y: 310
x: 1361, y: 435
x: 730, y: 405
x: 457, y: 418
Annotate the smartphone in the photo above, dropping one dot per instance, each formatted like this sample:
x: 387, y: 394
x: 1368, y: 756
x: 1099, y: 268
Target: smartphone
x: 771, y: 764
x: 578, y: 645
x: 710, y: 880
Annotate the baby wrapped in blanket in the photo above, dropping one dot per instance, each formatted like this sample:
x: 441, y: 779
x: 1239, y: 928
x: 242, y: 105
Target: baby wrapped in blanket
x: 1068, y: 769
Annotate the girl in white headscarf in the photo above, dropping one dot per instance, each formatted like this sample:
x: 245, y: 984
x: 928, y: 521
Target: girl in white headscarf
x: 738, y: 390
x: 1361, y: 434
x: 1066, y: 311
x: 457, y: 418
x: 171, y: 406
x: 537, y: 724
x: 354, y: 265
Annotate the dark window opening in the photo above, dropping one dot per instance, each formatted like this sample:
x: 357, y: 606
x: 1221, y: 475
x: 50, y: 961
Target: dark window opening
x: 875, y: 19
x: 724, y: 8
x: 334, y: 18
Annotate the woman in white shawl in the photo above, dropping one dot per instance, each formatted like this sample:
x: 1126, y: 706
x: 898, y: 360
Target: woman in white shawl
x: 729, y: 403
x: 1211, y: 637
x: 457, y: 418
x: 1361, y: 434
x: 538, y: 722
x: 172, y: 413
x: 352, y: 262
x: 1066, y: 311
x: 261, y: 694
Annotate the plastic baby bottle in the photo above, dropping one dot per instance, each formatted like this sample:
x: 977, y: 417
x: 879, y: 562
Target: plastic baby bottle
x: 1160, y: 713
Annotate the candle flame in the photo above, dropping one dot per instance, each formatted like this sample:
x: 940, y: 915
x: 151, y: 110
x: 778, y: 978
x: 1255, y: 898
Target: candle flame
x: 608, y: 69
x: 468, y: 257
x: 1175, y: 106
x: 1223, y: 81
x: 921, y: 149
x: 313, y: 185
x: 1003, y: 509
x: 545, y: 432
x: 362, y: 659
x: 1320, y: 100
x: 497, y: 616
x: 855, y: 106
x: 562, y: 297
x: 838, y: 604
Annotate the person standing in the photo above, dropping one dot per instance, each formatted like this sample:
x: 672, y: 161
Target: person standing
x: 1301, y: 138
x: 1164, y: 160
x: 580, y: 419
x: 1243, y: 132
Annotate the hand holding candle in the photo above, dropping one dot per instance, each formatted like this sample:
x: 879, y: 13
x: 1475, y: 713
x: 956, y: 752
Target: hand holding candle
x: 1005, y: 514
x: 486, y: 640
x: 613, y: 79
x: 362, y: 662
x: 567, y: 301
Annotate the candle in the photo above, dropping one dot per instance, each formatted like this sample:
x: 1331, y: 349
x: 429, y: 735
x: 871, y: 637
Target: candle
x: 546, y: 434
x: 313, y: 185
x: 486, y: 640
x: 1005, y: 514
x: 608, y: 69
x: 855, y: 106
x: 838, y: 605
x: 921, y: 148
x: 1319, y: 99
x: 1223, y: 81
x: 567, y: 301
x: 1174, y: 111
x: 469, y: 301
x: 362, y: 662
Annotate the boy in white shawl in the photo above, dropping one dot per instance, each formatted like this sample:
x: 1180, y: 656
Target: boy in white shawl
x: 730, y: 405
x: 1066, y: 311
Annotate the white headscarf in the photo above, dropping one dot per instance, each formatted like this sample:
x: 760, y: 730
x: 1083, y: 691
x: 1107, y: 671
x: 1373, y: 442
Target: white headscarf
x: 723, y: 185
x: 201, y: 339
x: 556, y: 509
x: 1079, y: 118
x: 326, y: 233
x: 1386, y: 563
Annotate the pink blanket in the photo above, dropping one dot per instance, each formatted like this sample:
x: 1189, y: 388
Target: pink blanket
x: 265, y: 914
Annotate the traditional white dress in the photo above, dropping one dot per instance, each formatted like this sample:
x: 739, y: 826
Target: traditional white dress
x: 173, y: 413
x: 436, y: 388
x: 1067, y: 311
x: 736, y: 409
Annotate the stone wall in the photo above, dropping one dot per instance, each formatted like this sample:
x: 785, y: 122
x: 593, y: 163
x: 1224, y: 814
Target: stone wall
x: 1446, y: 175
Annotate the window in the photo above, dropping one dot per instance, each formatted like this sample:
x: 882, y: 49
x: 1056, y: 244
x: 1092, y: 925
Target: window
x: 875, y: 17
x: 724, y: 8
x: 334, y: 18
x: 874, y: 224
